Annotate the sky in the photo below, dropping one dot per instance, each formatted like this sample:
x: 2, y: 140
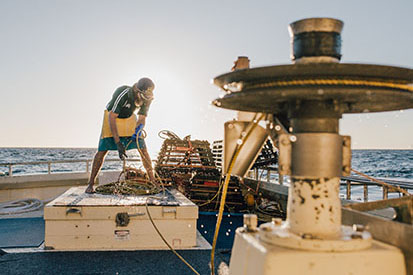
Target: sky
x: 61, y: 61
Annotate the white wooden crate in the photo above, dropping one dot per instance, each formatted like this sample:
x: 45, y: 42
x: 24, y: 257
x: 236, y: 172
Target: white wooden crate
x: 79, y: 221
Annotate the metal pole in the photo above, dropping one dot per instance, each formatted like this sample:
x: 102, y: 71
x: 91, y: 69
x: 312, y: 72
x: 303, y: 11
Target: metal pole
x: 385, y: 192
x: 366, y: 192
x: 348, y: 197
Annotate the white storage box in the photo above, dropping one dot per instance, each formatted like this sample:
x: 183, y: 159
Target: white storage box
x: 79, y: 221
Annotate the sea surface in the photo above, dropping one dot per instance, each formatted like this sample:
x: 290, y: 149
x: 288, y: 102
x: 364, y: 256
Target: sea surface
x: 23, y: 155
x: 388, y: 164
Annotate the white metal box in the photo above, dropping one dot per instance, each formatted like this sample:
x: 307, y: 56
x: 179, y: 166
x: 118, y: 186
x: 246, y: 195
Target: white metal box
x: 79, y: 221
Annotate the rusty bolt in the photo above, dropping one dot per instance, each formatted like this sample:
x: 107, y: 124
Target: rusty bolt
x: 277, y: 221
x: 307, y: 236
x: 359, y: 227
x: 250, y: 222
x: 347, y: 142
x: 346, y: 169
x: 285, y: 141
x: 357, y: 235
x: 266, y: 227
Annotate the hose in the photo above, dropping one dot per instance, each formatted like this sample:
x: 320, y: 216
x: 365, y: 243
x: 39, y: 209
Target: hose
x: 166, y: 134
x: 225, y: 189
x: 165, y: 241
x: 163, y: 190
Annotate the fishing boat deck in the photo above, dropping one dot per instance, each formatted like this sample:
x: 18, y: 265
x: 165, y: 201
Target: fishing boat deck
x: 22, y: 251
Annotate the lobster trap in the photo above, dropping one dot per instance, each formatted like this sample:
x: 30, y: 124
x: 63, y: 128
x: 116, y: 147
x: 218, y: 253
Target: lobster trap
x: 189, y: 166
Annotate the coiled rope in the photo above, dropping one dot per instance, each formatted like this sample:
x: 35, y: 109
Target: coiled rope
x: 20, y: 206
x: 167, y: 134
x: 128, y: 187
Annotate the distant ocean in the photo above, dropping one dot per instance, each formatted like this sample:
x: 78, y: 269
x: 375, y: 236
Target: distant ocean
x: 18, y: 155
x: 390, y: 164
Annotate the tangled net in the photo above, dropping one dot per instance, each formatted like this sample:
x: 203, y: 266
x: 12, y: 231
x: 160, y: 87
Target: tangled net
x: 135, y: 183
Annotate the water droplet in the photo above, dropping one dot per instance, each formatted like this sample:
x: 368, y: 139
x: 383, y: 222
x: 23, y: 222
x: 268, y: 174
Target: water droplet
x: 221, y: 96
x: 229, y: 215
x: 243, y: 134
x: 202, y: 226
x: 239, y: 141
x: 255, y: 121
x: 290, y: 129
x: 217, y: 103
x: 236, y: 190
x: 205, y: 232
x: 293, y: 138
x: 227, y: 234
x: 230, y: 222
x: 230, y: 126
x: 229, y: 230
x: 277, y: 127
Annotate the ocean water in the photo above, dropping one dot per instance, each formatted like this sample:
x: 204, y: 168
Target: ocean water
x: 19, y: 155
x: 387, y: 164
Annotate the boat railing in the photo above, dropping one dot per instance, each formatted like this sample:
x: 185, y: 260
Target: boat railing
x: 49, y: 164
x: 351, y: 181
x: 268, y: 173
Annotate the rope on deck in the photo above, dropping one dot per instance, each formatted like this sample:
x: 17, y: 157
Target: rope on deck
x: 20, y: 206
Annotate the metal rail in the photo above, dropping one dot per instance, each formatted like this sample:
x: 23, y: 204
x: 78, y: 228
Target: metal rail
x: 49, y: 164
x: 348, y: 182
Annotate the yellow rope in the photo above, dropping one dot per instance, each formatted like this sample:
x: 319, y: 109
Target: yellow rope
x: 344, y: 82
x: 213, y: 198
x: 165, y: 241
x: 224, y: 192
